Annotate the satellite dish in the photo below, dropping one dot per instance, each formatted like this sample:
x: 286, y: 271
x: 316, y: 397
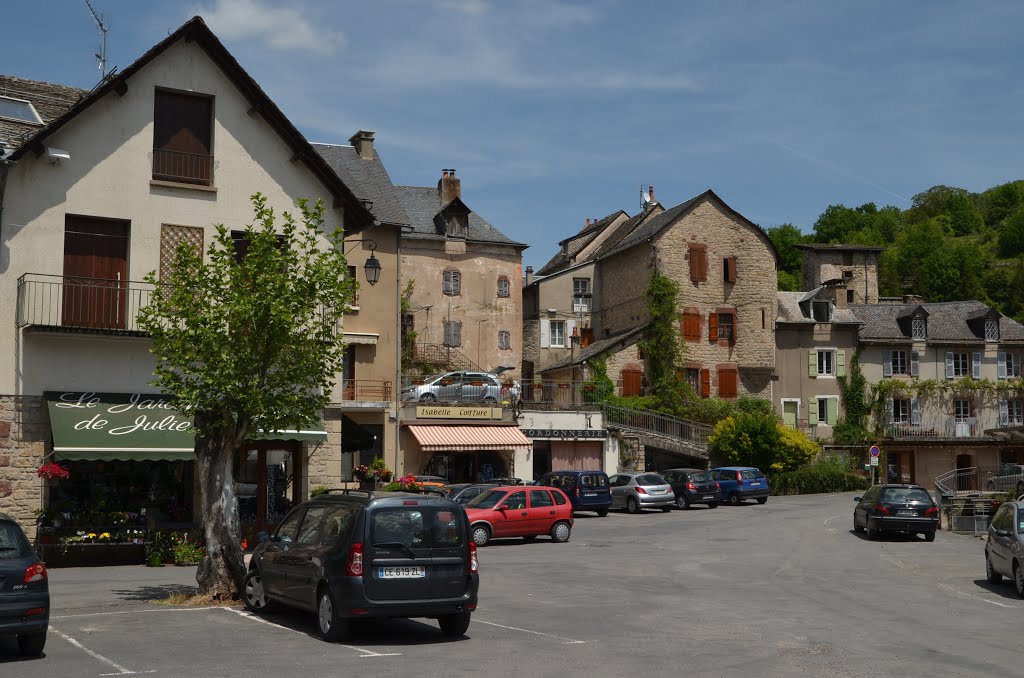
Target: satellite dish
x: 645, y: 197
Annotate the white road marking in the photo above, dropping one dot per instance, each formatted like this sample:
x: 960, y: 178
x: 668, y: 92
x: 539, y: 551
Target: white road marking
x: 366, y: 653
x: 947, y: 587
x: 104, y: 614
x: 829, y: 520
x: 121, y: 671
x: 567, y: 641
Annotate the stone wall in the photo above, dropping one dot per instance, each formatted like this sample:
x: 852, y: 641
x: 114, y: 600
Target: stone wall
x: 531, y: 347
x: 24, y: 440
x: 324, y: 465
x: 858, y: 269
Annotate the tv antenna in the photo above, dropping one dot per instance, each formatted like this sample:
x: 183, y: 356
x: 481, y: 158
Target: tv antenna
x: 102, y: 54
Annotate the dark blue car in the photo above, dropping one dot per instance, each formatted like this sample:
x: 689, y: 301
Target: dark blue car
x: 587, y: 490
x: 24, y: 590
x: 741, y: 482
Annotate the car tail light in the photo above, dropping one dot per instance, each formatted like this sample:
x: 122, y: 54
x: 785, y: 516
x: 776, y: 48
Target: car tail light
x: 739, y: 477
x: 474, y: 561
x: 354, y: 564
x: 691, y: 486
x: 641, y: 490
x: 718, y: 485
x: 35, y: 572
x: 932, y: 512
x: 577, y: 490
x: 33, y: 611
x: 881, y: 510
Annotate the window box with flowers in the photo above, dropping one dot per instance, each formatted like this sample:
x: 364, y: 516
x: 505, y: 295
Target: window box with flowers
x: 371, y: 476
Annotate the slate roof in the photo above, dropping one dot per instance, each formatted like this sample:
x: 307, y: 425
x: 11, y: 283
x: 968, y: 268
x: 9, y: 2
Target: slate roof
x: 791, y: 312
x: 947, y: 323
x: 652, y: 227
x: 49, y: 99
x: 596, y: 348
x: 422, y: 203
x: 624, y: 229
x: 368, y: 179
x: 195, y: 29
x: 572, y: 245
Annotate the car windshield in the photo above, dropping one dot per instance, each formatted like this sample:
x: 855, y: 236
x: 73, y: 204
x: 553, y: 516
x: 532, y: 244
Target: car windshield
x: 12, y: 544
x: 751, y: 474
x: 701, y: 477
x: 650, y: 479
x: 488, y: 499
x: 897, y: 495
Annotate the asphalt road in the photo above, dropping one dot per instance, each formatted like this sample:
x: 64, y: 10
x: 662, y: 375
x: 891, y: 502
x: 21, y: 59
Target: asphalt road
x: 784, y: 589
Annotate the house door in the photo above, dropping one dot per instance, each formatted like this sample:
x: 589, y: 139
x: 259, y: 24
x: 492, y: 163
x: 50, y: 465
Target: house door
x: 348, y: 374
x: 95, y: 272
x: 901, y: 466
x: 965, y: 481
x: 790, y: 411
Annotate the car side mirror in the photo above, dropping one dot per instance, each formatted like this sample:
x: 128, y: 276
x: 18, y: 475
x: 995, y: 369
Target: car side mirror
x: 857, y: 498
x: 1002, y: 533
x: 504, y: 507
x: 262, y: 537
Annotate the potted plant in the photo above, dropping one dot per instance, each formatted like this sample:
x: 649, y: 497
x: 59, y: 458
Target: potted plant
x: 188, y: 552
x: 52, y: 472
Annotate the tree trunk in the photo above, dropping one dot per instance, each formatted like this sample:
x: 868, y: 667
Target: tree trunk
x: 222, y: 569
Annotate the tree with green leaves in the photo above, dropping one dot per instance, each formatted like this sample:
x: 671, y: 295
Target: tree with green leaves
x: 786, y: 237
x: 248, y: 340
x: 759, y: 439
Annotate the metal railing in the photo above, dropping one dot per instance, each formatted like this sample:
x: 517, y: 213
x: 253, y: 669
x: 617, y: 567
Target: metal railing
x: 978, y: 479
x: 657, y: 424
x: 449, y: 358
x: 568, y: 394
x: 188, y: 168
x: 940, y: 428
x: 366, y: 389
x: 84, y: 304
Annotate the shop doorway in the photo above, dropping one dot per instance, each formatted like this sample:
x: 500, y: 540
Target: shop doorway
x: 268, y: 475
x: 541, y: 458
x: 468, y: 467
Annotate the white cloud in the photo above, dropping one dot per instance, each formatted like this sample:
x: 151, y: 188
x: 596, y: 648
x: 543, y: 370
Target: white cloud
x: 283, y: 29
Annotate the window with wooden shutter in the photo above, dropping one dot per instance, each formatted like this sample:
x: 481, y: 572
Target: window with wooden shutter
x: 713, y: 327
x: 729, y: 269
x: 451, y: 284
x: 182, y: 138
x: 727, y: 381
x: 632, y: 382
x: 705, y: 383
x: 503, y: 286
x: 698, y: 262
x: 691, y: 324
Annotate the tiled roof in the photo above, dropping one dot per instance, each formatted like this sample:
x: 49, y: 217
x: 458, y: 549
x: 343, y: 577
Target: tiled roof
x: 596, y: 348
x: 623, y: 230
x: 790, y: 311
x: 368, y: 179
x: 422, y: 203
x: 947, y: 322
x: 574, y: 243
x: 50, y: 101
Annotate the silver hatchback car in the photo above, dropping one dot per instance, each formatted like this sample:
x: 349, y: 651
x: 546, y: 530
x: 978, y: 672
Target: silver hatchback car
x: 635, y: 491
x: 1004, y: 550
x: 461, y: 387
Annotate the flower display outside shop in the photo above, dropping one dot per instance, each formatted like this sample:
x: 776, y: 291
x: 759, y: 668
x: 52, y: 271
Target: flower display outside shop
x: 53, y: 471
x: 377, y: 472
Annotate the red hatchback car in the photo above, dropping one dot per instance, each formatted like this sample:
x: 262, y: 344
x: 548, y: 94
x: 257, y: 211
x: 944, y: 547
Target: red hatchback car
x: 517, y: 511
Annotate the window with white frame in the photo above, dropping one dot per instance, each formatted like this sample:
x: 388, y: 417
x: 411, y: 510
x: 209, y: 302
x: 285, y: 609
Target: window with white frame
x: 504, y: 340
x: 826, y: 363
x: 961, y: 364
x: 901, y: 410
x: 900, y: 364
x: 581, y: 295
x: 1014, y: 413
x: 919, y: 328
x: 961, y: 409
x: 1013, y: 364
x: 991, y: 330
x: 692, y: 376
x: 453, y: 333
x: 725, y: 325
x: 558, y: 334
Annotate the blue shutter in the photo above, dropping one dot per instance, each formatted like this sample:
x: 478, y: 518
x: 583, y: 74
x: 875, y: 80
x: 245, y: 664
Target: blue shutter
x: 976, y: 365
x: 886, y: 363
x: 949, y: 364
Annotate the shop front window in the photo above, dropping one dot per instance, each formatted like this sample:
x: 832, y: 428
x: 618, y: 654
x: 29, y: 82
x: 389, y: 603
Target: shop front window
x: 266, y: 481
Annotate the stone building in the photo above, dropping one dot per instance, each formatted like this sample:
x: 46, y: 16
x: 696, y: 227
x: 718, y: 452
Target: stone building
x: 855, y: 267
x: 98, y: 188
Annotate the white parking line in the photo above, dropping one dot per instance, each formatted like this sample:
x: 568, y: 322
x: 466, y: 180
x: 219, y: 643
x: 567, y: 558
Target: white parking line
x: 365, y: 652
x: 947, y: 587
x: 104, y: 614
x: 567, y: 641
x: 829, y: 520
x: 121, y: 671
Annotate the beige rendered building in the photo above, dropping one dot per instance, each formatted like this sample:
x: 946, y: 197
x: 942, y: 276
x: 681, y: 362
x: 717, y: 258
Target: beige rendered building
x: 97, y: 190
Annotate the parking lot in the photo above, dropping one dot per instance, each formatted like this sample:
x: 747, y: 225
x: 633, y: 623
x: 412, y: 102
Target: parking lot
x: 783, y: 589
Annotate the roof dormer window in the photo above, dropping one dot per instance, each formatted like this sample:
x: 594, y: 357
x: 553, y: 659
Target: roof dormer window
x: 457, y: 225
x: 991, y: 330
x: 919, y: 329
x: 821, y: 311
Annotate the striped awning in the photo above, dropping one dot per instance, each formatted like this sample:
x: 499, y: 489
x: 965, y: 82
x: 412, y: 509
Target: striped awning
x: 469, y: 438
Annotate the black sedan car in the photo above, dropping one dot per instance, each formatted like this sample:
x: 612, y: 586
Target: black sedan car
x: 693, y: 486
x: 24, y: 590
x: 896, y: 508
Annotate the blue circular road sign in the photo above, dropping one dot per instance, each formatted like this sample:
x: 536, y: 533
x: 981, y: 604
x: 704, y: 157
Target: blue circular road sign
x: 875, y: 451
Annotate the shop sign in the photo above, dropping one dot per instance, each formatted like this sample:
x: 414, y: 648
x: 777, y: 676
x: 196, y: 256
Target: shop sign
x: 457, y: 412
x: 565, y: 433
x: 136, y: 412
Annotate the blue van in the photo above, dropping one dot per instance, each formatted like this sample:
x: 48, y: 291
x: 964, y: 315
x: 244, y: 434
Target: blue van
x: 587, y: 490
x: 741, y: 482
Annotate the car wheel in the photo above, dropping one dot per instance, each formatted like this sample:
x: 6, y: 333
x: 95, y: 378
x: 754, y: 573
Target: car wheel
x: 481, y: 535
x: 993, y: 576
x: 713, y: 504
x: 253, y: 595
x: 734, y: 499
x: 929, y: 536
x: 331, y: 628
x: 1018, y: 579
x: 682, y: 502
x: 428, y: 398
x: 602, y: 512
x: 632, y: 505
x: 31, y: 644
x: 872, y: 533
x: 490, y: 400
x: 857, y: 528
x: 762, y: 500
x: 560, y: 532
x: 454, y: 624
x: 529, y: 537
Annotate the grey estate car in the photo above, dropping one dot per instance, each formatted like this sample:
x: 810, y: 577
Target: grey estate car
x: 1004, y: 550
x: 461, y: 387
x: 635, y: 491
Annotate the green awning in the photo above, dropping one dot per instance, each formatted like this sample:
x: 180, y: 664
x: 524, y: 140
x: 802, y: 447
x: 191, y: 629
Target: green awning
x: 133, y: 426
x: 125, y: 426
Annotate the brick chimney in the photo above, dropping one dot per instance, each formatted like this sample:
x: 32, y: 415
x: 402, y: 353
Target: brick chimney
x: 449, y: 187
x: 363, y: 143
x: 529, y: 274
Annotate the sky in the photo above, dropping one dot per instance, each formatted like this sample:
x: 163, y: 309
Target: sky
x: 556, y: 111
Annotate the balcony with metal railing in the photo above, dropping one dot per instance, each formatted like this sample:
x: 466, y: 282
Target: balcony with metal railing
x: 57, y: 303
x: 940, y: 428
x: 182, y: 168
x: 365, y: 390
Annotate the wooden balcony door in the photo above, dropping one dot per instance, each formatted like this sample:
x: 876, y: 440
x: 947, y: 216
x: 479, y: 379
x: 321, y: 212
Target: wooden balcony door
x: 348, y: 374
x: 95, y: 272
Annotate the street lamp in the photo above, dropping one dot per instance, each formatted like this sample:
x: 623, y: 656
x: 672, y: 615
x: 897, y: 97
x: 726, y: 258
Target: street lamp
x: 371, y: 268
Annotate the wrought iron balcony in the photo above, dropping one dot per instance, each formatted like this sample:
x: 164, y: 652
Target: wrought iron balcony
x: 940, y: 428
x: 72, y: 304
x: 365, y: 390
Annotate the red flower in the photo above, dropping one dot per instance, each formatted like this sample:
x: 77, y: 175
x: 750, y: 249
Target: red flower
x: 52, y: 470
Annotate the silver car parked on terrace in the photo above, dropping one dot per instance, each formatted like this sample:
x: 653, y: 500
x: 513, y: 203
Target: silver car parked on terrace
x: 636, y: 491
x: 462, y: 387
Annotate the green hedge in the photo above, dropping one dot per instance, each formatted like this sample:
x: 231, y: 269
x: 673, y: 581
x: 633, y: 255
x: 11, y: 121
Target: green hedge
x: 816, y: 479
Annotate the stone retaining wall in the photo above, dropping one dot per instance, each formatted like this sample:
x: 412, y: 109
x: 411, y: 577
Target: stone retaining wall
x: 24, y: 442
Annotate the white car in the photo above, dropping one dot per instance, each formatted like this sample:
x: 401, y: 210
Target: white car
x: 461, y: 387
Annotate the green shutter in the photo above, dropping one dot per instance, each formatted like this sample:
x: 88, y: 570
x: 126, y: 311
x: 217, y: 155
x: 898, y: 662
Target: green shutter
x: 840, y: 363
x: 832, y: 413
x: 812, y: 412
x: 812, y: 362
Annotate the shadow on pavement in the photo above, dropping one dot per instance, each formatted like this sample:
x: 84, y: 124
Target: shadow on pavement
x: 151, y: 593
x: 369, y: 632
x: 888, y: 536
x: 9, y: 651
x: 1004, y: 589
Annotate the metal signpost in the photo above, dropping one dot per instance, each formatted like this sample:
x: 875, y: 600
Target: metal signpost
x: 874, y: 452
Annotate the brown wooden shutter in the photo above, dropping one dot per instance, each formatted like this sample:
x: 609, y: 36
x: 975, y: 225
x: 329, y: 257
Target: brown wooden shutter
x: 698, y: 262
x: 735, y: 327
x: 727, y: 382
x: 730, y: 269
x: 632, y: 382
x: 705, y: 382
x: 713, y: 326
